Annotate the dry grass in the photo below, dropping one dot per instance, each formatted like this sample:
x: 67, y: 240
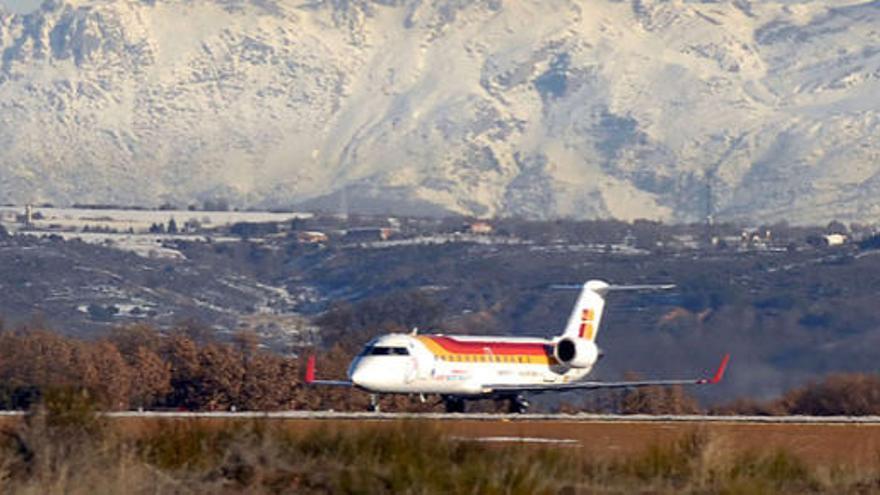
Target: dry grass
x: 63, y: 448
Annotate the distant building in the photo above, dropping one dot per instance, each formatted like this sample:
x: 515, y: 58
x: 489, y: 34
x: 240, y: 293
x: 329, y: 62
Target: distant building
x: 8, y: 216
x: 311, y: 237
x: 479, y: 228
x: 756, y: 239
x: 368, y: 234
x: 685, y: 241
x: 827, y: 240
x: 835, y: 239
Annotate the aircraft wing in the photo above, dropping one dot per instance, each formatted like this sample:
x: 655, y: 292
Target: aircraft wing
x: 588, y: 385
x: 310, y: 377
x: 330, y: 383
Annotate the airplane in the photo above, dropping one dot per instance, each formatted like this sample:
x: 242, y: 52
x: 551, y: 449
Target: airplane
x: 461, y: 368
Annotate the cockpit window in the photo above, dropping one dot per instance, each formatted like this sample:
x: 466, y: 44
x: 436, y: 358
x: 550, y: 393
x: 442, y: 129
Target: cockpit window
x: 388, y: 351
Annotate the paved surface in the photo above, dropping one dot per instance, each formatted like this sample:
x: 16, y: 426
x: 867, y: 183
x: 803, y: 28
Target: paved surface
x: 569, y: 418
x: 576, y: 418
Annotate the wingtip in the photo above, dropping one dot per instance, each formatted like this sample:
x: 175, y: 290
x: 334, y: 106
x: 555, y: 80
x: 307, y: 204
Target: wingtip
x: 719, y: 374
x: 310, y: 369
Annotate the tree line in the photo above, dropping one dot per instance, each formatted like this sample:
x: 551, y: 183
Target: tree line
x: 140, y: 367
x: 187, y: 368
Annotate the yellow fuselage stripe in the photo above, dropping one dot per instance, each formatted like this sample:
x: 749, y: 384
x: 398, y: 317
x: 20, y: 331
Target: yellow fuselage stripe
x: 445, y: 355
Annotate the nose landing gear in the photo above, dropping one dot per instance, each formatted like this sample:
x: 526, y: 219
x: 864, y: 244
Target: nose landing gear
x: 374, y: 404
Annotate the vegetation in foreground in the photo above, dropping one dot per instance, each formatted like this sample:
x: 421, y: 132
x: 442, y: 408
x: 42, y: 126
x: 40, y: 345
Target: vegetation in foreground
x: 64, y: 448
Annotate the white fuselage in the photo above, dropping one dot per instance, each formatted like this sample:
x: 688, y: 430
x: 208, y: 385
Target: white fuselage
x: 457, y: 365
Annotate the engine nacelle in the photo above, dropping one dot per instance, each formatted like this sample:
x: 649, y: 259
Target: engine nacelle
x: 576, y: 353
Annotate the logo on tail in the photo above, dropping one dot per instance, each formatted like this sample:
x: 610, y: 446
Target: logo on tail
x: 587, y: 329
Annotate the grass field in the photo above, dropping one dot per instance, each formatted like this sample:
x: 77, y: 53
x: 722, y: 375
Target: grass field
x: 77, y: 452
x: 852, y: 445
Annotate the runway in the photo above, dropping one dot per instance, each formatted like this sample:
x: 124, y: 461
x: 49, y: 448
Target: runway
x: 484, y: 417
x: 567, y: 418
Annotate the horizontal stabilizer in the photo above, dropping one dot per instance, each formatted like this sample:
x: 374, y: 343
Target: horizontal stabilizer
x: 310, y: 377
x: 610, y: 288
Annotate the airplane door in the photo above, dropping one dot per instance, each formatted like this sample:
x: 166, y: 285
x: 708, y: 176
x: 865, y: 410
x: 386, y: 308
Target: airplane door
x: 412, y: 369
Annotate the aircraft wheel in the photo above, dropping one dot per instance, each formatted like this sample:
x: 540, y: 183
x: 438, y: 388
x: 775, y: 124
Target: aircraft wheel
x: 519, y: 405
x: 454, y: 404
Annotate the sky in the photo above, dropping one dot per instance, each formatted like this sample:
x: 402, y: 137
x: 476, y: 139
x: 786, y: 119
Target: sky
x: 21, y: 6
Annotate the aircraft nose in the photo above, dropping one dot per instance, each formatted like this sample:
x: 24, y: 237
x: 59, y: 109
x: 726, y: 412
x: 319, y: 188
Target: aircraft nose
x: 364, y: 375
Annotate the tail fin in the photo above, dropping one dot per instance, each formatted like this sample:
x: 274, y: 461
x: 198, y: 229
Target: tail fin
x: 587, y: 313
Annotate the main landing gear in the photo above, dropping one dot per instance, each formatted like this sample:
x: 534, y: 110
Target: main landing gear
x: 453, y: 404
x: 518, y: 405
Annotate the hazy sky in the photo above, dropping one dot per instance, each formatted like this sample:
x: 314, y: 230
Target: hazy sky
x: 21, y: 5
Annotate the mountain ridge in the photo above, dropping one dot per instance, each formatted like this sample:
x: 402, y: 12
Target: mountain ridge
x: 559, y: 108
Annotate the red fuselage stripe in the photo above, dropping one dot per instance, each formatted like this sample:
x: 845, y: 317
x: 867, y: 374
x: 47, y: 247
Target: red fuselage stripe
x: 489, y: 347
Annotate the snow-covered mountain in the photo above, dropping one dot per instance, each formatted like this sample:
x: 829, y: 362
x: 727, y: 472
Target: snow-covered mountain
x: 539, y: 108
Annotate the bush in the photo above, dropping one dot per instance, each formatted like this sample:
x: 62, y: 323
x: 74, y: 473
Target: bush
x: 384, y: 458
x: 841, y: 394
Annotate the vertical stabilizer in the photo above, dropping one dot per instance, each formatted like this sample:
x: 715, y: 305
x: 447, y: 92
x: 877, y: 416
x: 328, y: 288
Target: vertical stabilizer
x: 587, y: 313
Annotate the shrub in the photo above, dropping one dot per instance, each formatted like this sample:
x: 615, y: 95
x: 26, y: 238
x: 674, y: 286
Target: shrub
x: 846, y: 394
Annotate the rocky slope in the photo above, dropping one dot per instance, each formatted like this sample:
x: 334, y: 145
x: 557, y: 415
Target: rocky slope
x: 539, y: 108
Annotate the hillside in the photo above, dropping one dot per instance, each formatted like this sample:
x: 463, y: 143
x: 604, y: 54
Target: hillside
x: 536, y: 108
x: 787, y: 314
